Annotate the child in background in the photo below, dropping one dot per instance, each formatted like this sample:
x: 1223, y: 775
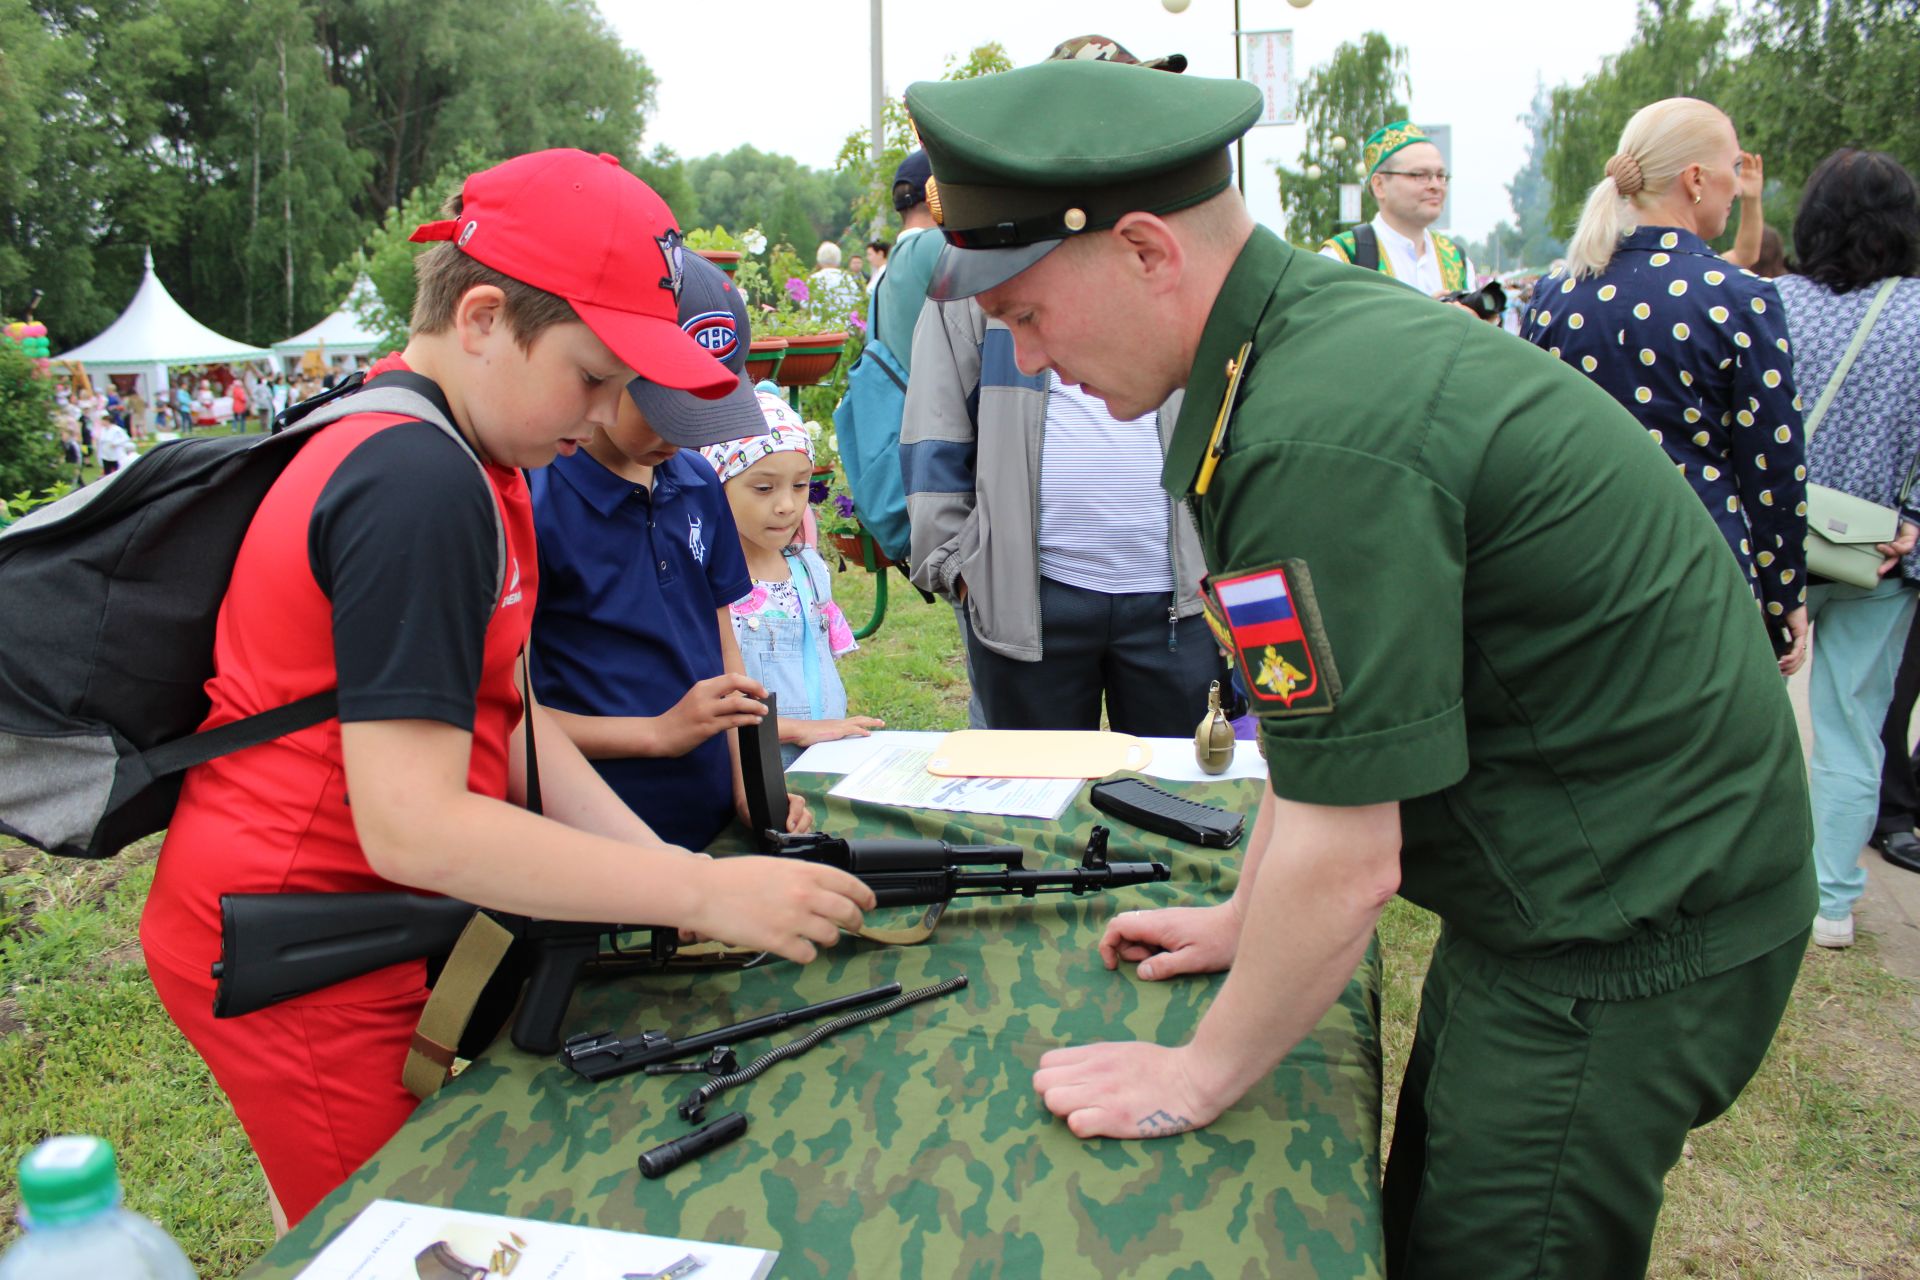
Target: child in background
x: 113, y: 446
x: 789, y: 629
x: 70, y: 450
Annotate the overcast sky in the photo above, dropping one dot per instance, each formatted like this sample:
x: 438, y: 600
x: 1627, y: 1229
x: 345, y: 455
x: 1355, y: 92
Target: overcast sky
x: 793, y: 76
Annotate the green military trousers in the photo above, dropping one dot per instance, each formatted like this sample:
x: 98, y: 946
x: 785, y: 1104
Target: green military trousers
x: 1535, y: 1130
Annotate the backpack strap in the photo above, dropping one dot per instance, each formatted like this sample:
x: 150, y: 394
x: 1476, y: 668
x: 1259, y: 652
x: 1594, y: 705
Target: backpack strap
x: 408, y: 395
x: 238, y: 735
x: 1366, y: 246
x: 1841, y: 370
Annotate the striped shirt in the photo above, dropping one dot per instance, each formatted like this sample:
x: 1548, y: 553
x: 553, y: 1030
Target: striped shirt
x: 1103, y: 514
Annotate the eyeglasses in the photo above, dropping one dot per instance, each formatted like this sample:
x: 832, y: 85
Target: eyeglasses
x: 1422, y: 176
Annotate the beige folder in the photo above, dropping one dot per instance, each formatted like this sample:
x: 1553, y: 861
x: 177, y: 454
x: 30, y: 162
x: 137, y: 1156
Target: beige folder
x: 1037, y: 753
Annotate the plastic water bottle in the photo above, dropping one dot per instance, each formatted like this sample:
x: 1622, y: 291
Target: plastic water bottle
x: 75, y: 1225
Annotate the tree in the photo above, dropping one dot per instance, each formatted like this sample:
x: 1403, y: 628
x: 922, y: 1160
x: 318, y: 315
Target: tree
x: 386, y: 256
x: 1363, y: 86
x: 427, y: 77
x: 1823, y: 74
x: 667, y: 174
x: 269, y: 180
x: 1534, y: 244
x: 789, y: 202
x: 29, y: 450
x: 90, y: 183
x: 1673, y: 54
x: 872, y: 181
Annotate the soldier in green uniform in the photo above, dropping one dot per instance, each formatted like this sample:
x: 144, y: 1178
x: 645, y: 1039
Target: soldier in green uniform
x: 1503, y: 667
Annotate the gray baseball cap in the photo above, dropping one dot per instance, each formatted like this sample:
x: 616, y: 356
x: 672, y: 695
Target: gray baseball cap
x: 714, y: 315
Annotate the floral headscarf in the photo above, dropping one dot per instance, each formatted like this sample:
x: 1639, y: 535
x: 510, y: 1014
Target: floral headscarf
x: 785, y: 431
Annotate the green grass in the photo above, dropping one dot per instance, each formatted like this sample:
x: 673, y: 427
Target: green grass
x: 1814, y: 1173
x: 86, y: 1048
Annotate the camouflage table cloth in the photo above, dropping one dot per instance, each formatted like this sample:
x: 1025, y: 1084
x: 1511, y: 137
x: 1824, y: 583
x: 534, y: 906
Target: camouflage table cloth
x: 914, y: 1146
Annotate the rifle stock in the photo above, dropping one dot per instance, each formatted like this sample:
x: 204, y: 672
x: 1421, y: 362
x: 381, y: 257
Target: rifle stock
x: 275, y: 946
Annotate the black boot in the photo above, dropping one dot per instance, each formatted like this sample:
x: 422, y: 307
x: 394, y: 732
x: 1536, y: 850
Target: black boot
x: 1901, y: 848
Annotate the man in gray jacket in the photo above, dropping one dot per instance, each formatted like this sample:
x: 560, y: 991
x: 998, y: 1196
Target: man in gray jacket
x: 1042, y: 518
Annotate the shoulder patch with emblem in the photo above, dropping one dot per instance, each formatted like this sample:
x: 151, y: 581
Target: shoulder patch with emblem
x: 1268, y: 620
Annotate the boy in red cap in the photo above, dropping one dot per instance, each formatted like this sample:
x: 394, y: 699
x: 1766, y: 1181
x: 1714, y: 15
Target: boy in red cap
x: 373, y: 567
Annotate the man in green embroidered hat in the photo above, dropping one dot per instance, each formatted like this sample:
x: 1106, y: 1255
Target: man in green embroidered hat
x: 1408, y: 177
x: 1501, y: 667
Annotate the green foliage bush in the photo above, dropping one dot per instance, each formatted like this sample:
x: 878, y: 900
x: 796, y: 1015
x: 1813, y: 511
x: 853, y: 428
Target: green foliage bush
x: 29, y: 443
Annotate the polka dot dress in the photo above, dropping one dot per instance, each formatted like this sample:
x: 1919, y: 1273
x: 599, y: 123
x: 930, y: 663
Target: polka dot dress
x: 1696, y: 349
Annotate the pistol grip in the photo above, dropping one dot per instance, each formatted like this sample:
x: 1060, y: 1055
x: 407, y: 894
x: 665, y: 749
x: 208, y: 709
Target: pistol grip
x: 543, y: 1008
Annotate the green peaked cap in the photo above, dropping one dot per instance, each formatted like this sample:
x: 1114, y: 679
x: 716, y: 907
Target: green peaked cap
x: 1024, y: 159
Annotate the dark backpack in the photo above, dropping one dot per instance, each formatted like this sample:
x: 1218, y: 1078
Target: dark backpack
x: 106, y: 638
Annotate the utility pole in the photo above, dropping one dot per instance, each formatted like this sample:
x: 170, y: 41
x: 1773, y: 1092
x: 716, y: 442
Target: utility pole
x: 880, y: 93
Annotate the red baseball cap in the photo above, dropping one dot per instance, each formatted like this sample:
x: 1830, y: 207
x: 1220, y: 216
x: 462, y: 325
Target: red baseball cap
x: 582, y: 228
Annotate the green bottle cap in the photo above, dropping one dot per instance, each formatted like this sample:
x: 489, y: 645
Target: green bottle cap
x: 68, y: 1179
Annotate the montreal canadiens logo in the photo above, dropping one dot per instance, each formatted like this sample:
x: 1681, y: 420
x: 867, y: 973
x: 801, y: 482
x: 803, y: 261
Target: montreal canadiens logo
x: 714, y: 331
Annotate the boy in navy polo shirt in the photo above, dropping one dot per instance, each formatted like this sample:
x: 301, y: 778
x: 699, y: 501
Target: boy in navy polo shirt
x: 633, y: 650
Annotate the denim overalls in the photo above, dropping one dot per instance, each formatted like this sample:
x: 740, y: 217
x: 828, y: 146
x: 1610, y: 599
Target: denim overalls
x: 795, y: 661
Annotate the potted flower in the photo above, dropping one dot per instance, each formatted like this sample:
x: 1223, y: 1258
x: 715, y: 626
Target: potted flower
x: 721, y: 248
x: 814, y: 343
x: 810, y: 357
x: 764, y: 356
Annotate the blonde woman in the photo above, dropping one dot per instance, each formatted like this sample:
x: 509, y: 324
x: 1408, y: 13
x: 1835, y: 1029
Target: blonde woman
x: 1694, y: 347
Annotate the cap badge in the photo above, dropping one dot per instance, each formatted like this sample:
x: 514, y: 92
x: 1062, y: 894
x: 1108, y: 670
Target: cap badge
x: 715, y: 333
x: 673, y: 255
x: 1076, y: 219
x: 933, y: 203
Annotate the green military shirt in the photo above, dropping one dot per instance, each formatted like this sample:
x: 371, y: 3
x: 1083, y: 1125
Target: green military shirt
x: 1507, y: 612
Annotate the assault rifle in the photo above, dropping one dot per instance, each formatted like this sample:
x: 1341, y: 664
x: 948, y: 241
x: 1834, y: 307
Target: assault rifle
x: 275, y: 946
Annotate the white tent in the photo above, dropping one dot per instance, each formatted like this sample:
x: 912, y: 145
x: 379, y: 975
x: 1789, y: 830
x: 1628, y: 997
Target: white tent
x: 340, y: 334
x: 155, y: 333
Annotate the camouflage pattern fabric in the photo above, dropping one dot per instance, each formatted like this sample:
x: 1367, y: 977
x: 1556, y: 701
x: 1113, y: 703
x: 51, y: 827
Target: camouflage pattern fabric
x: 914, y: 1146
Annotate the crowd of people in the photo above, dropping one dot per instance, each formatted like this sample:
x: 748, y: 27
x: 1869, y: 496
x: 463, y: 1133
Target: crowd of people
x: 1458, y: 579
x: 97, y: 422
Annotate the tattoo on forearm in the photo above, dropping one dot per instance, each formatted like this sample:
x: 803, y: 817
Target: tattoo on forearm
x: 1161, y: 1125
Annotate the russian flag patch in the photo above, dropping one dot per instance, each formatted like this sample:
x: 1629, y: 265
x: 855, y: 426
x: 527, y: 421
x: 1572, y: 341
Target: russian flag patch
x: 1268, y: 620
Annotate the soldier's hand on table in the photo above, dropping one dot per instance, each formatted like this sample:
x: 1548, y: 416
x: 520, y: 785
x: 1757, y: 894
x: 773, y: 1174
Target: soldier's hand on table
x: 1173, y: 941
x: 726, y: 701
x: 782, y: 905
x: 1123, y: 1090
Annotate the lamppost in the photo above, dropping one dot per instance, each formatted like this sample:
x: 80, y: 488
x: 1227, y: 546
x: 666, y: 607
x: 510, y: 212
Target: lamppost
x: 1239, y: 73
